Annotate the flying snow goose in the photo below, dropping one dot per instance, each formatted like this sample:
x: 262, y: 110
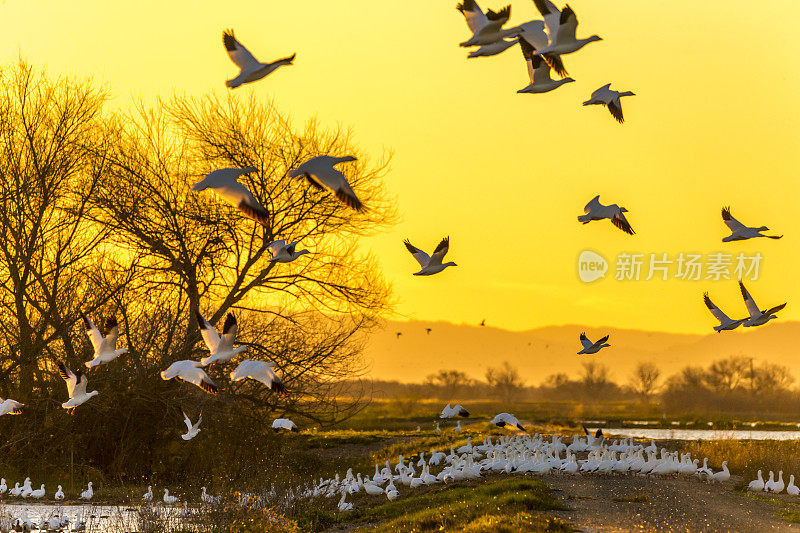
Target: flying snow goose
x: 284, y: 423
x: 757, y: 317
x: 740, y: 232
x: 611, y: 99
x: 319, y: 171
x: 538, y: 72
x: 488, y: 50
x: 76, y: 387
x: 259, y: 371
x: 533, y: 32
x: 451, y: 412
x: 250, y: 68
x: 725, y: 323
x: 191, y: 429
x: 224, y: 181
x: 105, y: 348
x: 506, y: 419
x: 562, y: 37
x: 169, y: 500
x: 88, y: 493
x: 221, y: 348
x: 486, y: 28
x: 594, y: 210
x: 59, y: 493
x: 190, y: 372
x: 590, y: 347
x: 10, y: 407
x: 430, y: 264
x: 284, y: 253
x: 595, y: 440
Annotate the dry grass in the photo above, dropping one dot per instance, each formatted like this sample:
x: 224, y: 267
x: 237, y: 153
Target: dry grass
x: 746, y: 457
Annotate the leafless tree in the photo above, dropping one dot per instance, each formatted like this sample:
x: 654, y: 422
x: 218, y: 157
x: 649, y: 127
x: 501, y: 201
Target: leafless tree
x: 645, y: 379
x: 449, y: 382
x: 505, y: 380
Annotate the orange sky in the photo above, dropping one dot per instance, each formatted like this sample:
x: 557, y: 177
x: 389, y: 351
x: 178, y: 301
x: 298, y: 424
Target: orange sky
x: 715, y: 122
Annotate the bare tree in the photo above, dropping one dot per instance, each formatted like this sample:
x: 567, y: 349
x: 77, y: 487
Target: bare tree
x: 725, y: 375
x: 449, y: 382
x: 645, y: 379
x: 505, y: 380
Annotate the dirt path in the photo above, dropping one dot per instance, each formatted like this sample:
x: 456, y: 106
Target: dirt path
x: 671, y: 505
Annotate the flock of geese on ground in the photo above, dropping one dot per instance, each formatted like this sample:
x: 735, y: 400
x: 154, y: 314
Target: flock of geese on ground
x: 520, y: 454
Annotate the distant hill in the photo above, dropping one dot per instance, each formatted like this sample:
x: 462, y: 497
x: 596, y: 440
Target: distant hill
x: 548, y: 350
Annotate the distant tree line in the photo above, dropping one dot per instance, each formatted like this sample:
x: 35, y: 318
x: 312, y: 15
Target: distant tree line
x: 735, y: 384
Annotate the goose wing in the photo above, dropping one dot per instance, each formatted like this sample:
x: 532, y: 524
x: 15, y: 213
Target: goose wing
x: 473, y: 15
x: 602, y: 340
x: 567, y: 24
x: 80, y: 384
x: 585, y: 341
x: 210, y: 335
x: 733, y: 224
x: 94, y: 334
x: 440, y: 251
x: 774, y: 309
x: 752, y: 308
x: 197, y: 376
x: 240, y: 55
x: 69, y: 376
x: 112, y: 334
x: 621, y: 222
x: 187, y: 421
x: 593, y: 205
x: 422, y: 258
x: 229, y: 331
x: 716, y: 311
x: 551, y: 15
x: 615, y: 108
x: 496, y: 19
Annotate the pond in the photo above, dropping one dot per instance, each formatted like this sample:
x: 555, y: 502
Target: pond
x: 701, y: 434
x: 98, y: 518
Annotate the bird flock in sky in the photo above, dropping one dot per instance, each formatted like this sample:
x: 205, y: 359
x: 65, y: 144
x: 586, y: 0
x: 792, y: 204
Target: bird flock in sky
x: 543, y: 44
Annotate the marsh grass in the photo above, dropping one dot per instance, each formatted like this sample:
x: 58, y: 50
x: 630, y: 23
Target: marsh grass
x: 634, y: 498
x: 505, y: 504
x: 746, y: 457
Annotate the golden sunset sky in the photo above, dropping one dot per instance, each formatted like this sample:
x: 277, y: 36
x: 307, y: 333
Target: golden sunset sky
x: 715, y: 121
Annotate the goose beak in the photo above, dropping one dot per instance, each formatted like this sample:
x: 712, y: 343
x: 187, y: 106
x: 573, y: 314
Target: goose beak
x: 587, y: 102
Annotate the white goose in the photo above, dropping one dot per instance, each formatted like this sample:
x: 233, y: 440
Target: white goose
x: 561, y: 33
x: 38, y: 493
x: 10, y: 407
x: 59, y: 494
x: 148, y: 496
x: 486, y: 28
x: 740, y: 232
x: 590, y: 347
x: 284, y: 423
x: 724, y: 474
x: 757, y: 317
x: 285, y: 253
x: 207, y: 498
x: 769, y: 485
x: 76, y: 387
x: 3, y: 486
x: 757, y: 484
x: 611, y: 99
x: 169, y: 500
x: 430, y: 264
x: 725, y: 323
x: 343, y: 505
x: 260, y: 371
x: 191, y: 429
x: 538, y: 72
x: 488, y: 50
x: 250, y: 68
x: 594, y: 210
x: 791, y: 488
x: 224, y: 181
x: 16, y: 491
x: 105, y: 348
x: 507, y: 419
x: 534, y: 33
x: 88, y: 493
x: 190, y: 372
x: 452, y: 412
x: 319, y: 171
x: 221, y: 347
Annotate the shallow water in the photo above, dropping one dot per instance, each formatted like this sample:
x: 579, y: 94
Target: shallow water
x: 98, y: 518
x: 702, y: 434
